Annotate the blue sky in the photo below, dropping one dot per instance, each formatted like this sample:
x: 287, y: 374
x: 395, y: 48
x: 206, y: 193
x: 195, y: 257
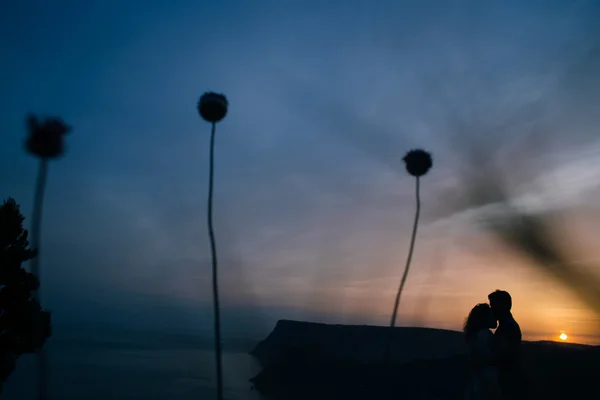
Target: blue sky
x: 313, y: 208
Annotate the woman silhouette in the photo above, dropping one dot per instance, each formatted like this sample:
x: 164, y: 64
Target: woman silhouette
x: 483, y: 384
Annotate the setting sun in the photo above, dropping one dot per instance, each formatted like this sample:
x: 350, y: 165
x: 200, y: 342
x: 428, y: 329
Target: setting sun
x: 563, y: 336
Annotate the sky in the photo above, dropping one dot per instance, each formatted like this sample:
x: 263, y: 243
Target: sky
x: 313, y: 208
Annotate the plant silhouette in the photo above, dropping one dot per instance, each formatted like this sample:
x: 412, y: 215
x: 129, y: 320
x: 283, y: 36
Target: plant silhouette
x: 24, y: 326
x: 418, y: 163
x: 213, y: 108
x: 45, y: 140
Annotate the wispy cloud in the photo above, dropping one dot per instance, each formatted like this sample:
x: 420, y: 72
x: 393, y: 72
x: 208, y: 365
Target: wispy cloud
x: 312, y: 200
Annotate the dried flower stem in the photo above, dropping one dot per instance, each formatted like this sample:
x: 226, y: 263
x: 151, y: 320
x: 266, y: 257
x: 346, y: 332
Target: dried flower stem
x: 406, y: 270
x: 410, y: 254
x: 35, y: 265
x: 215, y: 281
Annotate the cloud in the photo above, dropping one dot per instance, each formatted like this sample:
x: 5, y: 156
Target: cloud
x: 311, y: 194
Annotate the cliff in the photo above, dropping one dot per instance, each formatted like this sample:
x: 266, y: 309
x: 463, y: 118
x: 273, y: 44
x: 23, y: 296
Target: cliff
x: 356, y: 344
x: 309, y: 360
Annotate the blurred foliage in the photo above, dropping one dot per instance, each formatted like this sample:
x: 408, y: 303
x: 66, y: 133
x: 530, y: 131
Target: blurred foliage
x: 24, y: 325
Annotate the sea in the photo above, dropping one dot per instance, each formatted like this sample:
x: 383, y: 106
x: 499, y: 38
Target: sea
x: 124, y: 367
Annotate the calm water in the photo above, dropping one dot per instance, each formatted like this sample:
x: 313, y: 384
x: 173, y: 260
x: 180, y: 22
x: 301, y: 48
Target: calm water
x: 121, y: 370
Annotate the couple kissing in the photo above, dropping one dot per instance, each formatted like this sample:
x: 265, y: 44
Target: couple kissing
x: 494, y: 357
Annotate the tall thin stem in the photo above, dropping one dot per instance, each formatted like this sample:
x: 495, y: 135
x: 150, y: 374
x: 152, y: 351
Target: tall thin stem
x: 410, y: 254
x: 215, y: 281
x: 406, y: 270
x: 36, y: 226
x: 38, y: 202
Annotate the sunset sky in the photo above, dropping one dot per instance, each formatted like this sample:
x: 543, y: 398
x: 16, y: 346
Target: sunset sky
x: 313, y: 207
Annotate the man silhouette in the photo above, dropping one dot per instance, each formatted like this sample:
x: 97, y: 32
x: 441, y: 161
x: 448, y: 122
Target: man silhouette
x: 507, y: 340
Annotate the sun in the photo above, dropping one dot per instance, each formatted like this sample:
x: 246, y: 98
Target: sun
x: 563, y: 336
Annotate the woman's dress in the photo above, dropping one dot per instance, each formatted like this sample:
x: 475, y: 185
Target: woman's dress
x: 483, y: 384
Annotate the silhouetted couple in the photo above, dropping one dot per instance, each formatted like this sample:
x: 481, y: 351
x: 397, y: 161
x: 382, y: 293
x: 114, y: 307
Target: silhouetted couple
x: 494, y: 357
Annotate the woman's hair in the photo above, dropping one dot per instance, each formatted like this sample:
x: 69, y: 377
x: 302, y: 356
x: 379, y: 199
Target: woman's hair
x: 478, y: 319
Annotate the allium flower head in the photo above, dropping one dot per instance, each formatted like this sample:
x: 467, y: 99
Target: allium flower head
x: 418, y: 162
x: 213, y: 106
x: 45, y: 137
